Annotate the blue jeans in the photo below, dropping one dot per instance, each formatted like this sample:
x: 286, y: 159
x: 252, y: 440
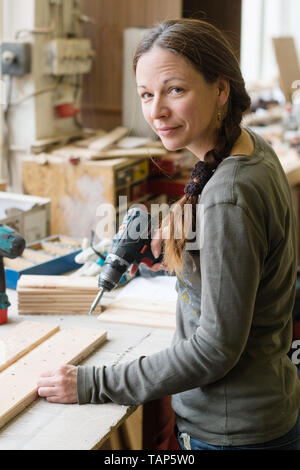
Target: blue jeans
x: 289, y: 441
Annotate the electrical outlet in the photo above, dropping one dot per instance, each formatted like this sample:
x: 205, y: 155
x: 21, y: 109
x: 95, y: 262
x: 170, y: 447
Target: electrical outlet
x: 15, y: 58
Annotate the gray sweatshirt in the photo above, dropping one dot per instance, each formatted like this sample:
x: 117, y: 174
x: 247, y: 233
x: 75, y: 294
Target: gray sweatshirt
x: 227, y: 368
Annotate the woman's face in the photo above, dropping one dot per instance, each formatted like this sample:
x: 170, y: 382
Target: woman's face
x: 177, y: 102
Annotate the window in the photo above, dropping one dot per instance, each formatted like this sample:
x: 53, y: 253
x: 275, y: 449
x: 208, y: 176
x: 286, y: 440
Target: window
x: 262, y: 20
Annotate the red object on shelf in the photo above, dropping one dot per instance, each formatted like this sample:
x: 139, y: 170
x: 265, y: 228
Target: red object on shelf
x: 138, y: 190
x: 170, y: 164
x: 170, y: 187
x: 3, y: 316
x: 296, y: 330
x: 66, y: 110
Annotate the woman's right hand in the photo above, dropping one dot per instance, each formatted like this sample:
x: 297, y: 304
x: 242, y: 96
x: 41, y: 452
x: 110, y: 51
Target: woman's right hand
x: 156, y: 245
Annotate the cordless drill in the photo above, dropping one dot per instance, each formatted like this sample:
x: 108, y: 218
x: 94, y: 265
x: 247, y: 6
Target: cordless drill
x: 12, y: 245
x: 131, y: 245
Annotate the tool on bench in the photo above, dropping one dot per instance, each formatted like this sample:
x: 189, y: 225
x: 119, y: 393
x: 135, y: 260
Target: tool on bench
x: 131, y: 245
x: 12, y: 245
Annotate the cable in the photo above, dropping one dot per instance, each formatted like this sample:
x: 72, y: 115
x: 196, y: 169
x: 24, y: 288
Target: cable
x: 46, y: 30
x: 35, y: 93
x: 6, y: 130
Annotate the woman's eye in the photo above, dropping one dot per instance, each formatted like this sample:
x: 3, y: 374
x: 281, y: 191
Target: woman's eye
x: 146, y: 95
x: 176, y: 90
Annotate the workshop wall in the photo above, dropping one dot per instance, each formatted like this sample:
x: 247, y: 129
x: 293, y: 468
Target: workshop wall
x: 102, y: 94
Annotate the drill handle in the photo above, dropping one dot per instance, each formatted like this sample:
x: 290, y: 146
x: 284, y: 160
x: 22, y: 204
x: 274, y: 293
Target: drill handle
x: 2, y: 277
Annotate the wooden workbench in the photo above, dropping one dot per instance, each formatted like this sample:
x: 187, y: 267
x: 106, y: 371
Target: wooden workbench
x: 51, y: 426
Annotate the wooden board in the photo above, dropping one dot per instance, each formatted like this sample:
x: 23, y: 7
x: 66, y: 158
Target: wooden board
x: 56, y: 282
x: 145, y: 152
x: 156, y: 314
x: 18, y: 382
x: 88, y: 141
x: 23, y: 338
x: 56, y: 295
x: 108, y: 139
x: 3, y: 185
x: 288, y: 64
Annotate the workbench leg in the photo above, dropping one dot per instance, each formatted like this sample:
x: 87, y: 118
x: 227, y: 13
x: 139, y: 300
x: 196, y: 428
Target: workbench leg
x: 129, y: 436
x: 158, y: 428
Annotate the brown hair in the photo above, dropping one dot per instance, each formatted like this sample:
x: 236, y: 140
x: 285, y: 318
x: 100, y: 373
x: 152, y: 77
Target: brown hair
x: 212, y: 55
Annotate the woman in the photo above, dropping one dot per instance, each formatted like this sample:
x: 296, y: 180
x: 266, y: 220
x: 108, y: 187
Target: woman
x: 232, y: 382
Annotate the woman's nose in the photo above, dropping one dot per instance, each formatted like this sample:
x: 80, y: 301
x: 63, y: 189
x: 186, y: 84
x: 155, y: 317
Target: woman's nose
x: 159, y: 109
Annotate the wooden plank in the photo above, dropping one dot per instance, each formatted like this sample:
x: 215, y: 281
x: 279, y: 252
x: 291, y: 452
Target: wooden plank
x: 18, y: 383
x: 288, y: 64
x: 3, y: 185
x: 41, y: 144
x: 141, y: 152
x: 58, y: 282
x: 128, y: 303
x: 108, y: 139
x: 72, y: 151
x: 21, y: 339
x: 90, y: 140
x: 141, y: 318
x: 156, y: 314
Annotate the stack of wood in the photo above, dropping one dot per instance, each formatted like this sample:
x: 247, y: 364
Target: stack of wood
x: 105, y: 145
x: 56, y: 295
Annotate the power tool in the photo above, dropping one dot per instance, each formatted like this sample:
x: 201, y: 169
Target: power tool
x: 12, y: 245
x: 131, y: 245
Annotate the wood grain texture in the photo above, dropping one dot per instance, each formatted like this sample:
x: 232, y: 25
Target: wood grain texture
x: 102, y: 94
x: 23, y: 338
x: 56, y: 295
x: 56, y: 282
x: 18, y: 382
x: 156, y: 314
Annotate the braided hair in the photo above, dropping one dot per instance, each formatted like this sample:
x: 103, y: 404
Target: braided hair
x: 211, y: 54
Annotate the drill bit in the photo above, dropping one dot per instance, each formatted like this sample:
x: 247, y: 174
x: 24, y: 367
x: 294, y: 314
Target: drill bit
x: 96, y: 301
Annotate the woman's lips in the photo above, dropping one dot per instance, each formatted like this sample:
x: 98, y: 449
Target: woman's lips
x: 164, y: 131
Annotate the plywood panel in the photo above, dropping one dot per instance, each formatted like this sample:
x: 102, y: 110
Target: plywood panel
x: 21, y: 339
x: 18, y: 383
x: 102, y: 94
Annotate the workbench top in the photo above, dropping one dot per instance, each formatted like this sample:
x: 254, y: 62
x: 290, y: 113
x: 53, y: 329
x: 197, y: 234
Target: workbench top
x: 51, y: 426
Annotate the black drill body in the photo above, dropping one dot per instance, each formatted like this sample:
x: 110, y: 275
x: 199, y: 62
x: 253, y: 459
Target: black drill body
x: 130, y: 246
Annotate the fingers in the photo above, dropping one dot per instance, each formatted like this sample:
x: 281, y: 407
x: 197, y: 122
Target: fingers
x: 60, y: 387
x: 47, y: 373
x: 133, y: 269
x: 158, y: 267
x: 46, y: 391
x: 156, y: 243
x: 47, y: 382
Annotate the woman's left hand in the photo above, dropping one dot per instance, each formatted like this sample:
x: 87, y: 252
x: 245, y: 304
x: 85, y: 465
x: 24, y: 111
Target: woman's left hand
x: 60, y: 385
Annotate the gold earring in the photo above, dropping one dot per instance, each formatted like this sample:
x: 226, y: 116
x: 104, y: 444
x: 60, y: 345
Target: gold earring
x: 219, y: 116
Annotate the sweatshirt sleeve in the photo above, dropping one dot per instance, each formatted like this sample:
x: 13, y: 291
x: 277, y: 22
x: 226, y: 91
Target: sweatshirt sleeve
x: 231, y: 261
